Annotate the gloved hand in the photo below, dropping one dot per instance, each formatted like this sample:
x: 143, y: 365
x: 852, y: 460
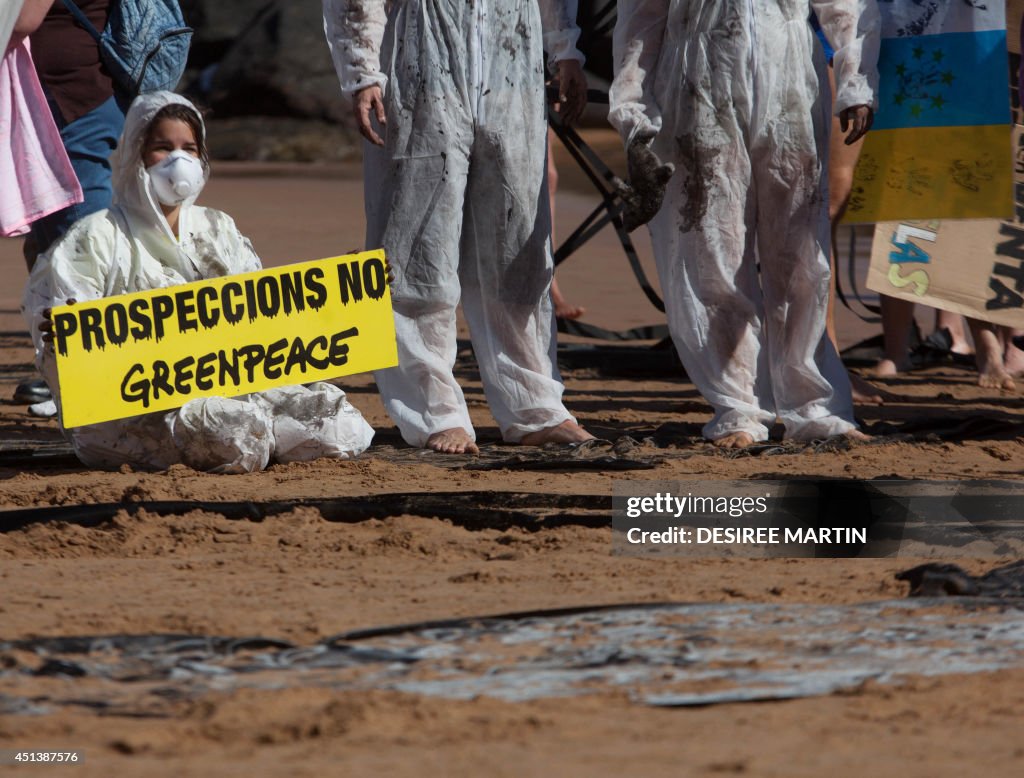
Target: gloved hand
x: 648, y: 177
x: 858, y: 119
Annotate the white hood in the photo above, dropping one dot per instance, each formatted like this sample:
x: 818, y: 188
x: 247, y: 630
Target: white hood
x: 133, y: 194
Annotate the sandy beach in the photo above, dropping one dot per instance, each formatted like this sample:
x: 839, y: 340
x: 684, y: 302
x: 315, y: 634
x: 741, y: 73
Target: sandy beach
x: 298, y: 576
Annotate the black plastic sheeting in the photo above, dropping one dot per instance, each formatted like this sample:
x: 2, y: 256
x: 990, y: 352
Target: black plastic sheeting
x: 642, y: 449
x: 948, y: 580
x: 624, y: 453
x: 531, y: 511
x: 978, y: 518
x: 659, y: 654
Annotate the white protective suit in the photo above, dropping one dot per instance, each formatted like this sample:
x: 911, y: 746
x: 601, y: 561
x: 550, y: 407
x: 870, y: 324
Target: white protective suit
x: 735, y: 93
x: 131, y: 248
x: 458, y: 197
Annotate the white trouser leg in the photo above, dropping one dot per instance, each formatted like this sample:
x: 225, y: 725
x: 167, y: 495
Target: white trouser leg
x: 810, y: 385
x: 222, y: 435
x: 414, y: 210
x: 216, y: 434
x: 140, y: 441
x: 506, y: 276
x: 313, y: 422
x: 707, y: 265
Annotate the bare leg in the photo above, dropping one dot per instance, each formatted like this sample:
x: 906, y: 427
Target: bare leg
x: 563, y: 308
x: 953, y: 322
x: 1013, y: 357
x: 897, y: 317
x: 842, y: 160
x: 566, y: 432
x: 866, y: 393
x: 988, y: 355
x: 453, y: 441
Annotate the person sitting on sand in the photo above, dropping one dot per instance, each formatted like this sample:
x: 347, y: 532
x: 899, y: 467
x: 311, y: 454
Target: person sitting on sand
x: 153, y: 237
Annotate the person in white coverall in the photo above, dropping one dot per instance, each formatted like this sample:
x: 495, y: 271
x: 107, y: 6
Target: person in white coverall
x: 153, y: 237
x: 450, y: 97
x: 735, y: 94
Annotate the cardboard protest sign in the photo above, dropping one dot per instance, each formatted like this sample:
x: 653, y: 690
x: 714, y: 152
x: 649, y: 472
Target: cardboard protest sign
x: 156, y: 350
x: 939, y: 147
x: 969, y: 266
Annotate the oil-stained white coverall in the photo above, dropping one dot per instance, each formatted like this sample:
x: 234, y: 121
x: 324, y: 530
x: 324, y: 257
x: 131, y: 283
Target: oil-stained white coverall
x: 458, y: 199
x: 131, y: 248
x: 735, y: 93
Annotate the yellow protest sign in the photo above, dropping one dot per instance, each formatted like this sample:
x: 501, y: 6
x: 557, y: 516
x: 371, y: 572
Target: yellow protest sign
x: 156, y: 350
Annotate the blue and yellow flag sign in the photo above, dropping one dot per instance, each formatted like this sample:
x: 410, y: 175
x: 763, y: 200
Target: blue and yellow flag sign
x: 156, y: 350
x: 940, y: 145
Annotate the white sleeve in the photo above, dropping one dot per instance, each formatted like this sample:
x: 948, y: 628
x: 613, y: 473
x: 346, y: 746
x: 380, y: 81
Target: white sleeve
x: 248, y: 258
x: 81, y: 261
x: 636, y: 48
x: 355, y: 30
x: 223, y: 250
x: 76, y: 267
x: 853, y: 27
x: 558, y: 18
x: 9, y: 12
x: 237, y: 250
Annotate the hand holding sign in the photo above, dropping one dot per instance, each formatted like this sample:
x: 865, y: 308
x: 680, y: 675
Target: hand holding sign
x: 46, y: 327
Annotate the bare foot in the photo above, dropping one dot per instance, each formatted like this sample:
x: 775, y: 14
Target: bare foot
x: 996, y: 378
x: 857, y: 435
x: 886, y: 368
x: 566, y: 310
x: 734, y: 440
x: 865, y: 393
x: 453, y: 441
x: 1013, y: 359
x: 563, y: 308
x: 566, y: 432
x: 988, y: 356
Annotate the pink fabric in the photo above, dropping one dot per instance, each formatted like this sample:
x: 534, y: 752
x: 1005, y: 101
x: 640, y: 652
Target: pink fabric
x: 36, y: 177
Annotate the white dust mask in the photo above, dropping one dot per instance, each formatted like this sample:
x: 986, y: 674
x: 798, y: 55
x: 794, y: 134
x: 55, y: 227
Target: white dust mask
x: 176, y: 178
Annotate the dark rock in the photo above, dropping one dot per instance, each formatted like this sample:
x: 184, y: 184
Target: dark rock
x: 217, y: 24
x: 279, y: 66
x: 948, y: 580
